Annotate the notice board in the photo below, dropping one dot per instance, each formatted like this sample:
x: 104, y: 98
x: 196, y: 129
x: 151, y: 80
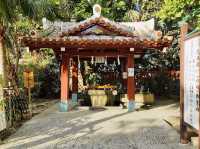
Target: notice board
x: 3, y: 124
x: 191, y: 81
x: 28, y: 79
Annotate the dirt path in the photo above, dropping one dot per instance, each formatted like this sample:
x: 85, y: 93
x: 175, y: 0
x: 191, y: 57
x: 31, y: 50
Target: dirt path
x: 113, y: 128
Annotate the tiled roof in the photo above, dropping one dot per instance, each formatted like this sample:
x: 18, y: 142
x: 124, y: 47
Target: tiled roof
x: 85, y: 34
x: 142, y: 30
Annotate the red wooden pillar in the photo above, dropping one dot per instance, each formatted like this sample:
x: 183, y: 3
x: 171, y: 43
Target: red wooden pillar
x: 131, y: 83
x: 75, y: 76
x: 64, y: 77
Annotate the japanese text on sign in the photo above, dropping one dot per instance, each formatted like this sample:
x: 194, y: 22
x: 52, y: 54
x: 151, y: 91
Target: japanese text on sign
x: 191, y: 81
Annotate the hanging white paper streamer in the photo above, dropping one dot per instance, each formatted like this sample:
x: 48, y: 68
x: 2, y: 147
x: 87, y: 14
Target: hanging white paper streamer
x: 114, y: 63
x: 79, y: 64
x: 106, y: 62
x: 92, y: 60
x: 118, y: 61
x: 95, y: 61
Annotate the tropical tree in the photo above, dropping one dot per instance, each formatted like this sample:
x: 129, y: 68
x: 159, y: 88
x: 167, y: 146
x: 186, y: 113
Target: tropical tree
x: 142, y: 10
x: 16, y: 18
x: 174, y: 11
x: 12, y: 15
x: 171, y: 14
x: 112, y: 9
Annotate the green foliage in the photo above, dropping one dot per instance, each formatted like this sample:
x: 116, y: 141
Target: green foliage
x: 148, y: 10
x: 86, y: 100
x: 34, y: 9
x: 93, y: 79
x: 46, y: 73
x: 18, y: 105
x: 83, y: 10
x: 160, y: 84
x: 174, y: 11
x: 114, y: 10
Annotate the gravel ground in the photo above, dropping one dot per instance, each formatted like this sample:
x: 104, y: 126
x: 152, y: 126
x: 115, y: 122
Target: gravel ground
x: 113, y: 128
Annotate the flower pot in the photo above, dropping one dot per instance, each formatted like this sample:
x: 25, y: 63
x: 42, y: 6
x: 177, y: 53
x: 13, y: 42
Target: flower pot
x: 98, y: 98
x: 145, y: 98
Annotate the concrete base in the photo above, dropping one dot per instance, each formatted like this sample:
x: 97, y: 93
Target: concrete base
x: 64, y: 106
x: 131, y: 105
x: 195, y: 141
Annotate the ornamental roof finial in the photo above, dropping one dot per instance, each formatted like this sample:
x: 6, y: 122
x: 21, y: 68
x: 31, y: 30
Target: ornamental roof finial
x: 97, y: 10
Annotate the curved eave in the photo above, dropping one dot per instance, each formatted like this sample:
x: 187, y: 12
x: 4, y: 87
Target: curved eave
x: 104, y: 22
x: 85, y: 42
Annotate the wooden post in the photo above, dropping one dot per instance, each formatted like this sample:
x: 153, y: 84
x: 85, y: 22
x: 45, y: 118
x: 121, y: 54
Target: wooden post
x: 64, y: 77
x: 75, y: 76
x: 183, y: 127
x: 30, y: 102
x: 131, y: 82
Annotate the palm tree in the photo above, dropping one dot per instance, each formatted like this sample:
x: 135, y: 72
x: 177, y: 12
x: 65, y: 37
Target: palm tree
x: 10, y: 10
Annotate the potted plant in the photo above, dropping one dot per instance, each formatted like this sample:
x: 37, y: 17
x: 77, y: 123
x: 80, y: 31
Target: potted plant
x: 145, y: 97
x: 92, y: 79
x: 98, y: 97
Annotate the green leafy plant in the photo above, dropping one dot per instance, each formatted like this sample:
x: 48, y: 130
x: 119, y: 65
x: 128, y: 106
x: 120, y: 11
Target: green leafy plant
x: 93, y: 79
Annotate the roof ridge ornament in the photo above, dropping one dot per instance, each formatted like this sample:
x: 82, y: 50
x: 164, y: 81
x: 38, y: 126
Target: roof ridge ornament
x: 97, y: 10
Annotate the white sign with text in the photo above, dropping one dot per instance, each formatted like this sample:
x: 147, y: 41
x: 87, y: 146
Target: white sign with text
x: 130, y: 72
x: 2, y: 121
x: 191, y: 81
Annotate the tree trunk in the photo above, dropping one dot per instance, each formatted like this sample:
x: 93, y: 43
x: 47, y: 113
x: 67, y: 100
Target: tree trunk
x: 2, y: 64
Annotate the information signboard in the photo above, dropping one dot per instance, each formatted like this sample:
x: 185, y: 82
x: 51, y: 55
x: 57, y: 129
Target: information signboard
x: 130, y: 72
x: 2, y: 120
x: 191, y: 81
x: 28, y: 79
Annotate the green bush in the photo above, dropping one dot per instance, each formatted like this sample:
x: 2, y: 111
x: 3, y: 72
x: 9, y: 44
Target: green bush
x: 46, y: 73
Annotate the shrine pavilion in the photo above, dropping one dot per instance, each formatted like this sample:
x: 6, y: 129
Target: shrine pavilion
x: 97, y: 36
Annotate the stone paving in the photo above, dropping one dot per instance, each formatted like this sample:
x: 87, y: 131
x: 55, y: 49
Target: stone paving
x: 113, y: 128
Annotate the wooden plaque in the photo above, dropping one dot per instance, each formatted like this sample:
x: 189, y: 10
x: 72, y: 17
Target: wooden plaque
x: 28, y: 79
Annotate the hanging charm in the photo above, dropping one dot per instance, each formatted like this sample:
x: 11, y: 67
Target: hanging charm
x: 92, y: 60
